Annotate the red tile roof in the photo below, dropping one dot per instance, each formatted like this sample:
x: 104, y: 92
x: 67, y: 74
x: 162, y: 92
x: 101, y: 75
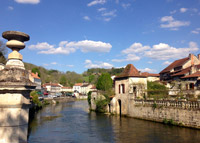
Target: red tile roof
x: 196, y: 74
x: 52, y: 84
x: 78, y: 84
x: 35, y: 75
x: 176, y: 63
x: 66, y: 87
x: 130, y: 71
x: 150, y: 74
x: 93, y: 87
x: 182, y: 72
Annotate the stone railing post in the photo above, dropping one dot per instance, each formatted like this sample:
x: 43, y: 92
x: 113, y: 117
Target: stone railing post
x: 15, y: 88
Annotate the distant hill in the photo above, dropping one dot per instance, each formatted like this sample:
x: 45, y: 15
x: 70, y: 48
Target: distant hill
x: 70, y: 78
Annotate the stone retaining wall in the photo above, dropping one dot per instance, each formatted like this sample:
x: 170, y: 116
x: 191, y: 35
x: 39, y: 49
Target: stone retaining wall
x: 184, y: 113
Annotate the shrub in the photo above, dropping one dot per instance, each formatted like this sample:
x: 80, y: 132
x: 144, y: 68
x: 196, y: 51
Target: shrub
x: 101, y: 105
x: 89, y: 98
x: 35, y: 99
x: 156, y: 90
x: 154, y: 105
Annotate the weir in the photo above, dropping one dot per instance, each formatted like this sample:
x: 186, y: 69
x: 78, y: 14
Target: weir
x: 15, y: 88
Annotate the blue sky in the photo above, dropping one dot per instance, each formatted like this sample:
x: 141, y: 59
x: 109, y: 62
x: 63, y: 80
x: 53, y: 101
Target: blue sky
x: 74, y: 35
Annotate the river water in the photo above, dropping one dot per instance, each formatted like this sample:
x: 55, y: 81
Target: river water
x: 73, y: 123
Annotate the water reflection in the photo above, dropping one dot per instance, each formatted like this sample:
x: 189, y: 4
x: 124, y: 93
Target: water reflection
x: 72, y: 122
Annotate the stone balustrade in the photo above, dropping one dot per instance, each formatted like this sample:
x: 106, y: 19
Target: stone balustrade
x: 169, y: 103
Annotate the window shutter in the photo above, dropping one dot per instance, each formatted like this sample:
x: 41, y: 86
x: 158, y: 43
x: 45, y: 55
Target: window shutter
x: 119, y: 88
x: 123, y: 88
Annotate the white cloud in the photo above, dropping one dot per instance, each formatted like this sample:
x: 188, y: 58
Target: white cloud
x: 95, y: 2
x: 41, y: 46
x: 106, y: 19
x: 86, y: 18
x: 135, y: 48
x: 101, y: 9
x: 89, y: 64
x: 66, y: 47
x: 107, y: 15
x: 160, y: 51
x: 172, y: 12
x: 131, y: 51
x: 196, y: 31
x: 110, y: 13
x: 129, y: 57
x: 182, y: 10
x: 126, y: 5
x: 166, y: 63
x: 54, y: 63
x: 163, y: 51
x: 147, y: 70
x: 70, y: 66
x: 116, y: 1
x: 172, y: 24
x: 10, y: 8
x: 46, y: 65
x: 195, y: 10
x: 28, y: 1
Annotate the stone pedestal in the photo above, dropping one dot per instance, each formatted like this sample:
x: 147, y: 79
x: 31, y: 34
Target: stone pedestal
x: 15, y: 88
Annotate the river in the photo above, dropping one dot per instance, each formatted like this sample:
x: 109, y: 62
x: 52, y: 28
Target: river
x: 72, y: 123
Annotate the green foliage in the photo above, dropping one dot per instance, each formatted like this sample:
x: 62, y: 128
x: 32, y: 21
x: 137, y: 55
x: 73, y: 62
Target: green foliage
x: 170, y: 122
x: 52, y: 71
x: 45, y: 102
x: 35, y: 99
x: 112, y: 71
x: 154, y: 105
x: 156, y: 90
x: 116, y: 71
x: 89, y: 98
x: 91, y: 78
x: 36, y: 70
x: 63, y: 80
x: 104, y: 82
x: 100, y: 105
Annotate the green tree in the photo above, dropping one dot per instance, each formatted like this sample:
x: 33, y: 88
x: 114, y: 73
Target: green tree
x: 91, y: 78
x: 34, y: 70
x: 104, y: 82
x: 63, y: 80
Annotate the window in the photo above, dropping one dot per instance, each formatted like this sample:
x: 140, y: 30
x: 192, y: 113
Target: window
x: 192, y: 86
x: 121, y: 88
x: 135, y: 91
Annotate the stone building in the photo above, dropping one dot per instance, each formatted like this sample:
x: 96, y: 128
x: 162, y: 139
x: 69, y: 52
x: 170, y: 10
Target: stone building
x: 36, y: 79
x: 151, y: 76
x: 77, y: 87
x: 180, y: 68
x: 183, y: 75
x: 67, y: 89
x: 52, y: 88
x: 130, y: 84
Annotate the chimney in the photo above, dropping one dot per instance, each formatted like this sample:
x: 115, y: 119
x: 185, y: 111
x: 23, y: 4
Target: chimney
x: 199, y: 57
x: 192, y: 59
